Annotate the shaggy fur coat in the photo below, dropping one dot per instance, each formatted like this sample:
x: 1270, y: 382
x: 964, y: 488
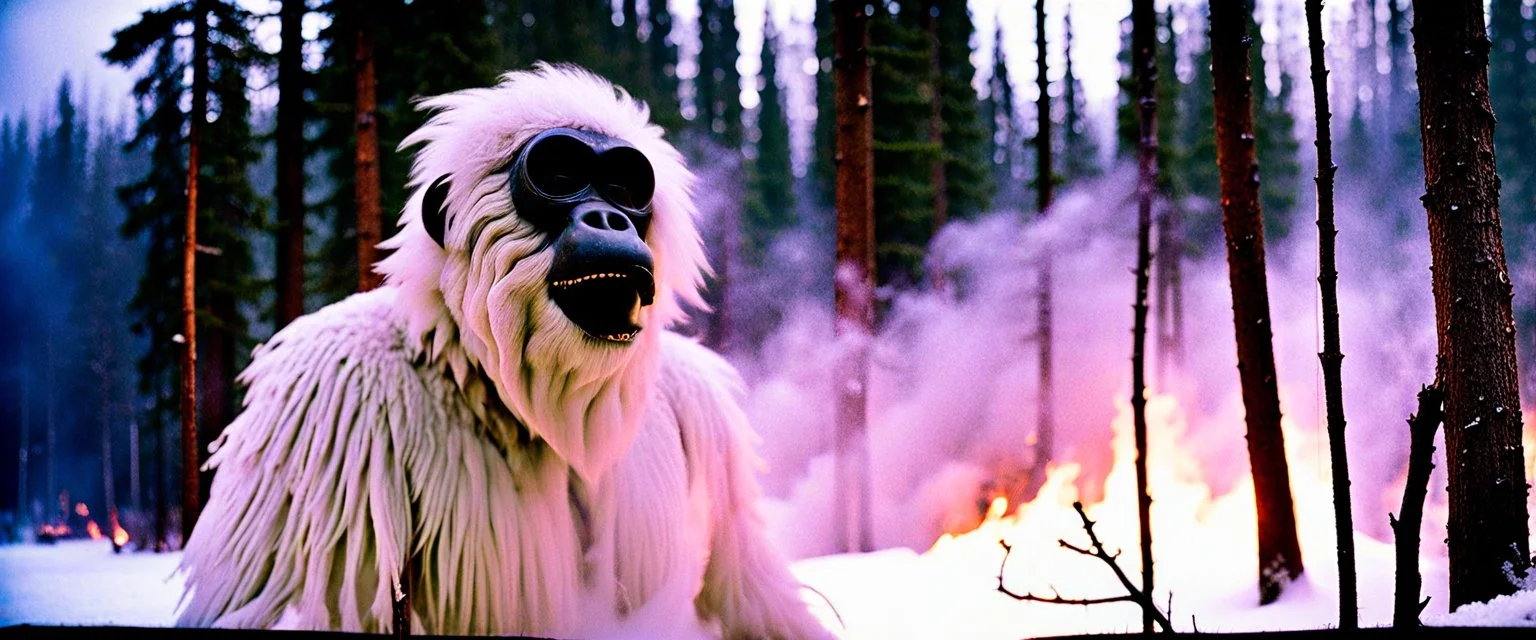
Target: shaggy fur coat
x: 456, y: 429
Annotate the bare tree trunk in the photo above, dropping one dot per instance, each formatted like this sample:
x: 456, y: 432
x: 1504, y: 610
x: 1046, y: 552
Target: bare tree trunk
x: 854, y: 281
x: 135, y: 489
x: 936, y: 120
x: 1488, y: 530
x: 1144, y: 63
x: 108, y: 476
x: 1279, y: 551
x: 1332, y: 358
x: 290, y: 165
x: 1405, y: 529
x: 23, y: 492
x: 50, y: 429
x: 1045, y: 427
x: 199, y: 115
x: 370, y: 221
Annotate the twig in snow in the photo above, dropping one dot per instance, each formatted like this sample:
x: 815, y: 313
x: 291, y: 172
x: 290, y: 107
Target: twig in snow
x: 1133, y: 594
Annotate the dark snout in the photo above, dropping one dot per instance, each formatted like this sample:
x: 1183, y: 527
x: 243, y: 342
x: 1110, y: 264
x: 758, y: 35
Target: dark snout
x: 602, y: 273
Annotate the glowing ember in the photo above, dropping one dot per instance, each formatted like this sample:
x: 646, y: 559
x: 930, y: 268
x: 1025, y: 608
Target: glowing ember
x: 119, y: 535
x: 94, y: 530
x: 54, y: 530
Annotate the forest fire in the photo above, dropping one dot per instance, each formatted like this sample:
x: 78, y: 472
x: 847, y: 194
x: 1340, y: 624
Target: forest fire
x: 1203, y: 542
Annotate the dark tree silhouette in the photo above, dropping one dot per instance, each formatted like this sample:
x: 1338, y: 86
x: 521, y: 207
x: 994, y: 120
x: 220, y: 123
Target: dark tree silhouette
x: 1488, y: 535
x: 854, y: 296
x: 1045, y: 190
x: 1144, y: 63
x: 1279, y: 549
x: 290, y: 164
x: 1332, y: 358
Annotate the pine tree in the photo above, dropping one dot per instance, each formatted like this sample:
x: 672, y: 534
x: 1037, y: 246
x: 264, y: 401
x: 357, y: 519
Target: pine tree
x: 1275, y: 137
x: 228, y: 207
x: 718, y: 85
x: 770, y: 201
x: 823, y: 168
x: 1195, y: 136
x: 903, y: 86
x: 661, y: 54
x: 1080, y: 152
x: 968, y: 184
x: 1002, y: 127
x: 421, y: 49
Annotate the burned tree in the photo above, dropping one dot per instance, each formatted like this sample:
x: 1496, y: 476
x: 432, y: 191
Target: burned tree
x: 1144, y: 65
x: 1488, y: 535
x: 1422, y: 425
x: 1237, y: 162
x: 854, y: 296
x: 1332, y: 358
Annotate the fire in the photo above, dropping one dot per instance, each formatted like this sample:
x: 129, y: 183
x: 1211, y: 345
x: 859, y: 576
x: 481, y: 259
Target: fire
x: 81, y: 510
x: 119, y: 535
x: 92, y: 529
x: 1205, y: 545
x: 55, y: 530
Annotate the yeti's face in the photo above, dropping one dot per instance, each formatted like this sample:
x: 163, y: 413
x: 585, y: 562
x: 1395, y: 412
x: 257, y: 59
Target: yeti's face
x: 549, y: 239
x: 590, y: 194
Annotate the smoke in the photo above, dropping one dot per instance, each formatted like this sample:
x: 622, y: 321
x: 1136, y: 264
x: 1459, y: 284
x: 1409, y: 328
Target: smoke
x: 953, y: 403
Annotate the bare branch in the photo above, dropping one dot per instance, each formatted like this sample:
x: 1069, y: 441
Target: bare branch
x: 1133, y: 594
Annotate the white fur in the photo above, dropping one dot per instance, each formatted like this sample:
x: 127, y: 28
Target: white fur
x: 455, y: 425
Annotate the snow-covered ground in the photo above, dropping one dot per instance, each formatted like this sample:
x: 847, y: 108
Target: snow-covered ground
x: 946, y: 592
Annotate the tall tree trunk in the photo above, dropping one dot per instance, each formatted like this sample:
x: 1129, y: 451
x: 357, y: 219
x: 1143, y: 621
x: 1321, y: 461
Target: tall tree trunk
x: 936, y: 119
x: 104, y: 381
x: 1279, y: 550
x: 290, y: 165
x: 370, y: 221
x: 199, y: 116
x: 854, y: 281
x: 23, y: 492
x: 1144, y: 63
x: 135, y: 490
x: 1488, y: 530
x: 216, y: 406
x: 1045, y: 188
x: 1332, y: 358
x: 50, y: 430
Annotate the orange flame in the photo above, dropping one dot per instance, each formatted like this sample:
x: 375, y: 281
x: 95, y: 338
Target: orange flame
x: 81, y: 510
x: 119, y: 535
x: 94, y: 530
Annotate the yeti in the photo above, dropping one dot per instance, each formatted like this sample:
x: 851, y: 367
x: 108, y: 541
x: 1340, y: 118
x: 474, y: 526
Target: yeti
x: 505, y: 438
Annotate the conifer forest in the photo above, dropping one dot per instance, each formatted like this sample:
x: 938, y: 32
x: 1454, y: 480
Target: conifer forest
x: 1051, y: 317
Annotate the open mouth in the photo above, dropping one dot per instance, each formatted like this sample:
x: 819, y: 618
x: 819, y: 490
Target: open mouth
x: 605, y: 305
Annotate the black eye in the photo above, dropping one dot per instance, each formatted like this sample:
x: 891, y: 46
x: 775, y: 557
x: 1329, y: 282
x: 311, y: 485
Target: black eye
x: 558, y: 167
x: 626, y: 178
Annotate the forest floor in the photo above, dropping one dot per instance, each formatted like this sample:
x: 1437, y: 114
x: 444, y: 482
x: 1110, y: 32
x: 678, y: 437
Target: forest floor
x: 887, y: 594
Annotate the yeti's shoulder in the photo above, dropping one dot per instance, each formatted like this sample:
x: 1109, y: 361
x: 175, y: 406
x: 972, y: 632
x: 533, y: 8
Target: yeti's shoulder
x: 364, y: 326
x: 692, y: 371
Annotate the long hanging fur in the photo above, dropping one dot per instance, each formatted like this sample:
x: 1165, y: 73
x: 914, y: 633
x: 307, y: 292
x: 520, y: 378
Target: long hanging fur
x: 454, y: 426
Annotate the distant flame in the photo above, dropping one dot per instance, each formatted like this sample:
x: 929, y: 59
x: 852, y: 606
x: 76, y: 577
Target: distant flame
x: 54, y: 530
x: 81, y: 510
x: 119, y: 535
x: 93, y: 529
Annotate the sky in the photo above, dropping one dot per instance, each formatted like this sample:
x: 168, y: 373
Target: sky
x: 41, y: 40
